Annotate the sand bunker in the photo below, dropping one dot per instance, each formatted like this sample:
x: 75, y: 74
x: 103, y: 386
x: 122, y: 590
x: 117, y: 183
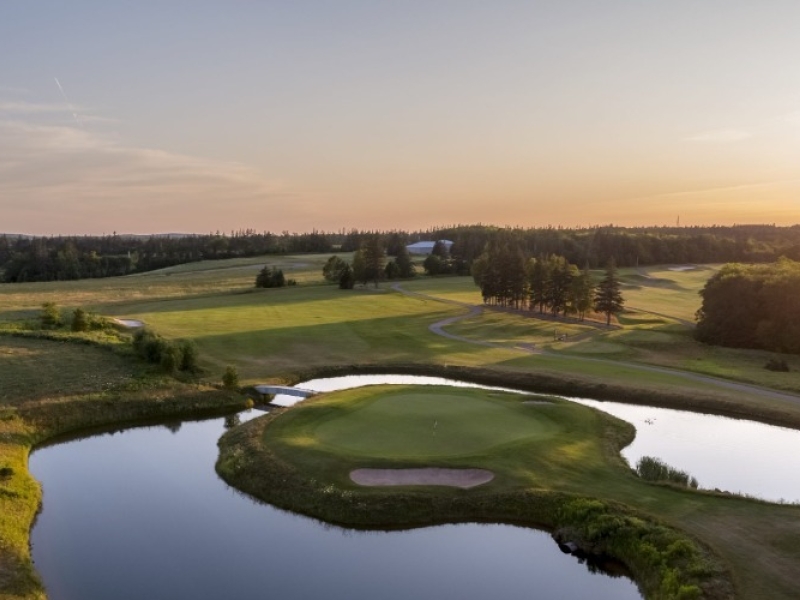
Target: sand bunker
x: 130, y: 323
x: 461, y: 478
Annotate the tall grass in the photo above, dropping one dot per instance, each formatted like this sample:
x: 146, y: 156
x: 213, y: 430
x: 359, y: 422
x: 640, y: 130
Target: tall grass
x: 654, y: 469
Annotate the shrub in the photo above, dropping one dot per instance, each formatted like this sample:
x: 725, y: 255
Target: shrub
x: 189, y: 357
x: 654, y: 469
x: 170, y: 357
x: 777, y: 364
x: 80, y: 321
x: 6, y: 473
x: 230, y: 379
x: 50, y: 317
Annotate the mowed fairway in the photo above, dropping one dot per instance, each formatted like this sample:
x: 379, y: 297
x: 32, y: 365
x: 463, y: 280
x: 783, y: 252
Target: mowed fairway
x: 419, y: 423
x: 265, y: 333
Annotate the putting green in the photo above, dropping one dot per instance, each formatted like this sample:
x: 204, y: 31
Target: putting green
x: 406, y: 424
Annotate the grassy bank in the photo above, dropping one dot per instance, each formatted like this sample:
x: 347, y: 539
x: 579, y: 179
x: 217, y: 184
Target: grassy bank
x: 301, y: 460
x: 53, y: 388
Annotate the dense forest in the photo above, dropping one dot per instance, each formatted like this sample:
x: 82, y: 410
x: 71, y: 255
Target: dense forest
x: 58, y: 258
x: 752, y: 306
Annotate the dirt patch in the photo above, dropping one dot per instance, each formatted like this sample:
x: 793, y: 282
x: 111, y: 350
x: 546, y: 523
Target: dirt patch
x: 461, y: 478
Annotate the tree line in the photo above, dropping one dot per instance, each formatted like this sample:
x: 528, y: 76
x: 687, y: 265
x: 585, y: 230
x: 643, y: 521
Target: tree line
x: 752, y: 306
x: 58, y: 258
x: 65, y: 258
x: 507, y: 277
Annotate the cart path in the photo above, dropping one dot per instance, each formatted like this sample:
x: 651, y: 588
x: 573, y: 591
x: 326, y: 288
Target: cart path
x: 476, y: 310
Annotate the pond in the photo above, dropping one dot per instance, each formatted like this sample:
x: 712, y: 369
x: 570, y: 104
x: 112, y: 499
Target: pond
x: 141, y: 513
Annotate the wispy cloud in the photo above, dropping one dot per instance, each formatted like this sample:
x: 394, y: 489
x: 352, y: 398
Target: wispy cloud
x: 86, y: 176
x: 721, y: 136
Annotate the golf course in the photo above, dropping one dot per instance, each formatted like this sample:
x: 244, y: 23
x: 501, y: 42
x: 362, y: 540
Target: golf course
x: 553, y: 464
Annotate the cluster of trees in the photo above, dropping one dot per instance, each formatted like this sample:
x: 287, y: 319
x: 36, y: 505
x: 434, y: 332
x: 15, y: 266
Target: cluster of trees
x: 272, y: 277
x: 545, y: 283
x: 442, y: 262
x: 170, y: 355
x: 369, y: 265
x: 752, y: 306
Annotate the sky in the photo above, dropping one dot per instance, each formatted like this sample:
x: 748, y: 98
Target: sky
x: 199, y: 116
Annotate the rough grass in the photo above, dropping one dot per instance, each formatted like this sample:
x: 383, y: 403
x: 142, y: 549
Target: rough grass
x: 32, y: 369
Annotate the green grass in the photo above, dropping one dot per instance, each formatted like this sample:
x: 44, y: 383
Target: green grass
x: 31, y: 369
x: 408, y: 424
x: 661, y: 291
x: 517, y: 329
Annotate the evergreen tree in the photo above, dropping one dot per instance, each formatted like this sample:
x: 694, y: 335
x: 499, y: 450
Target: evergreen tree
x: 269, y: 277
x: 359, y: 267
x: 582, y: 293
x: 347, y: 279
x: 538, y: 276
x: 392, y: 270
x: 405, y: 268
x: 332, y: 271
x: 374, y: 259
x: 608, y: 297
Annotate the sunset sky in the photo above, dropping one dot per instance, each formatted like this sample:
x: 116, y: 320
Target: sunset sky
x: 198, y: 116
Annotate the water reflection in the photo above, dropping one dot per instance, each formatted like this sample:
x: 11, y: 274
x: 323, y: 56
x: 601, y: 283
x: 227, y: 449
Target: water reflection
x: 142, y: 514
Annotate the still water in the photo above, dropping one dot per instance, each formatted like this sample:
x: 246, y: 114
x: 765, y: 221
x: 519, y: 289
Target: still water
x: 141, y: 515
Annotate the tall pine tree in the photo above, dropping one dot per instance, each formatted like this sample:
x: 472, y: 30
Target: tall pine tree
x: 607, y: 296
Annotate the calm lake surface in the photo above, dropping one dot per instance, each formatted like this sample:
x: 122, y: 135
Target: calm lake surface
x: 141, y: 514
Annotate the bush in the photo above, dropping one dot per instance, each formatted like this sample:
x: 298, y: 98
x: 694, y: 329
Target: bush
x: 777, y: 364
x: 80, y: 321
x: 654, y: 469
x: 50, y: 317
x: 170, y: 357
x: 189, y: 357
x: 230, y: 379
x: 6, y: 473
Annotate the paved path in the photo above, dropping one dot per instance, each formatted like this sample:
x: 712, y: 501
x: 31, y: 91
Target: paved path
x: 475, y: 310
